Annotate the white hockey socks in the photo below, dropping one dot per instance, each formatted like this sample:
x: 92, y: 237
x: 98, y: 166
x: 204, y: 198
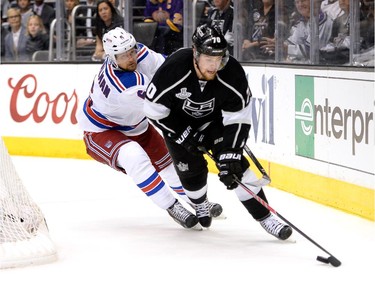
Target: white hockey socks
x: 248, y: 177
x: 170, y: 176
x: 138, y: 166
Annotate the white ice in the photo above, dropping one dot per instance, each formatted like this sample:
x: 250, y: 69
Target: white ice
x: 105, y: 228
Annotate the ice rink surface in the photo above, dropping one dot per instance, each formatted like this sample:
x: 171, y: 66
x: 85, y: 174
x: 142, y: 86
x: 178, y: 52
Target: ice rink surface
x: 105, y: 228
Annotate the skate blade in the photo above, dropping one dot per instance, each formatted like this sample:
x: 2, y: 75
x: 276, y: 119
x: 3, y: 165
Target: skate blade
x: 222, y: 216
x: 197, y: 227
x: 291, y: 240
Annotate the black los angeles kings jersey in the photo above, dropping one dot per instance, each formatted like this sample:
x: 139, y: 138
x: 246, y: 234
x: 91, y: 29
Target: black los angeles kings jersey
x: 176, y: 98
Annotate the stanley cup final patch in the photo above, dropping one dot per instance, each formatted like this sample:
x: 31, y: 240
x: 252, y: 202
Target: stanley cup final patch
x: 183, y: 94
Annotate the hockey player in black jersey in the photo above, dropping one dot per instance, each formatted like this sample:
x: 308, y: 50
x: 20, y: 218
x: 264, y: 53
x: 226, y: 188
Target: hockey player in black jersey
x: 200, y: 97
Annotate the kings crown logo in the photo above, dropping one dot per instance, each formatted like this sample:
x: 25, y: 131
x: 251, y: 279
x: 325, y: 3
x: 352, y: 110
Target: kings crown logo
x: 182, y: 167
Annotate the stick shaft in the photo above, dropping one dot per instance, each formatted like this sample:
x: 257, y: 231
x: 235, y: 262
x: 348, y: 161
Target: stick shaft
x: 257, y: 163
x: 267, y: 206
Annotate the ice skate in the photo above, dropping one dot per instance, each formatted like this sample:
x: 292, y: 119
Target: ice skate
x: 203, y: 213
x: 216, y: 211
x: 276, y: 228
x: 182, y: 216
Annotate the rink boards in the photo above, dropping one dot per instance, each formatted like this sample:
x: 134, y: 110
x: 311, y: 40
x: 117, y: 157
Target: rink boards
x: 312, y: 130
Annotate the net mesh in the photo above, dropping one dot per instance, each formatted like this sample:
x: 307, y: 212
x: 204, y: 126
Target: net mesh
x: 24, y: 236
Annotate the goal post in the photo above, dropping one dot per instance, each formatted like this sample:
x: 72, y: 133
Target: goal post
x: 24, y: 235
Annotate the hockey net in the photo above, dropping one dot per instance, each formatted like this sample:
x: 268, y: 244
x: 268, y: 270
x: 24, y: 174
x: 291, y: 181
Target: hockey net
x: 24, y: 236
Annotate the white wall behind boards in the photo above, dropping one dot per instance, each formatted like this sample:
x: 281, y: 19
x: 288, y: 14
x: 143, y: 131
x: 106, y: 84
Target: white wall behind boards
x: 315, y: 120
x: 320, y: 122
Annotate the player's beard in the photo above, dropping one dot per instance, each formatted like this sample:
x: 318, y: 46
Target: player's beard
x: 132, y: 67
x: 205, y: 74
x: 128, y: 67
x: 208, y: 75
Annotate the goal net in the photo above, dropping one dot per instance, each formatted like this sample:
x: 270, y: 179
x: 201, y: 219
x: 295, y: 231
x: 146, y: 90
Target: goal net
x: 24, y: 236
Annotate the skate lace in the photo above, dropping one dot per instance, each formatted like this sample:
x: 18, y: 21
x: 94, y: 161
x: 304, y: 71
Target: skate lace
x: 272, y: 225
x: 203, y: 209
x: 179, y: 212
x: 210, y: 205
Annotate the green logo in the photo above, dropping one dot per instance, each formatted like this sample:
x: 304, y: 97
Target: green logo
x: 304, y: 120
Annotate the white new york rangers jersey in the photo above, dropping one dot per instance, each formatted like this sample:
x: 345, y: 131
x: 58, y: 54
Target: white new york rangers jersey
x: 116, y: 96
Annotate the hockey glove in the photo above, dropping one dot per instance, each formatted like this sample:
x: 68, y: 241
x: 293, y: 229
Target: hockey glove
x: 190, y: 140
x: 230, y: 168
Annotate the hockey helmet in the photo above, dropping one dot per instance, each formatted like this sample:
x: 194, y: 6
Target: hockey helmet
x: 209, y: 40
x: 118, y: 41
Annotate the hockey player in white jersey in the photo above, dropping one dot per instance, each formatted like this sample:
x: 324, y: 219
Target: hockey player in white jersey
x: 117, y: 132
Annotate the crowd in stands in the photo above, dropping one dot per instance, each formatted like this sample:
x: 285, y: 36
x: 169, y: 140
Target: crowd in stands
x: 26, y: 27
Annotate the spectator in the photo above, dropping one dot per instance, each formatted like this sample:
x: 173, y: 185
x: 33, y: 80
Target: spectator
x: 107, y: 18
x: 337, y: 50
x: 174, y: 39
x: 116, y: 4
x: 367, y: 24
x: 169, y: 16
x: 38, y: 37
x: 331, y: 8
x: 4, y: 7
x: 262, y: 27
x: 298, y: 44
x: 366, y: 56
x: 4, y: 32
x: 222, y: 15
x: 69, y: 6
x: 208, y: 5
x: 15, y: 40
x: 45, y: 11
x: 25, y: 9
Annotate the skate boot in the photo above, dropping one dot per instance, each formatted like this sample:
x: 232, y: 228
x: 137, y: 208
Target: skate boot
x: 182, y: 216
x: 203, y: 213
x: 215, y: 209
x: 276, y: 228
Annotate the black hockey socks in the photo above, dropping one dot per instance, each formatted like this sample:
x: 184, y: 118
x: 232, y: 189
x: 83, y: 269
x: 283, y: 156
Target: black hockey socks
x: 256, y: 210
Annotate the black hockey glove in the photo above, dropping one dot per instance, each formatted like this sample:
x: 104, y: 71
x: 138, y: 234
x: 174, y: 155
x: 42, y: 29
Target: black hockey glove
x: 190, y: 140
x: 230, y: 168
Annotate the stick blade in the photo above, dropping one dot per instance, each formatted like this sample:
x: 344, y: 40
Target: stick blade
x: 333, y: 261
x: 330, y: 260
x: 260, y: 182
x: 322, y: 259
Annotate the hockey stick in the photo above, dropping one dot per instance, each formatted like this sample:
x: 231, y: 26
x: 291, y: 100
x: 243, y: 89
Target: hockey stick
x: 265, y: 178
x: 331, y: 259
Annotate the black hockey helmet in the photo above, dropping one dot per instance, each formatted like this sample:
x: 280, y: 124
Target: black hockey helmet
x: 209, y: 40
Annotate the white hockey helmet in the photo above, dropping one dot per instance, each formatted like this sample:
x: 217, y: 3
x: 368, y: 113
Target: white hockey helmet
x: 118, y: 41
